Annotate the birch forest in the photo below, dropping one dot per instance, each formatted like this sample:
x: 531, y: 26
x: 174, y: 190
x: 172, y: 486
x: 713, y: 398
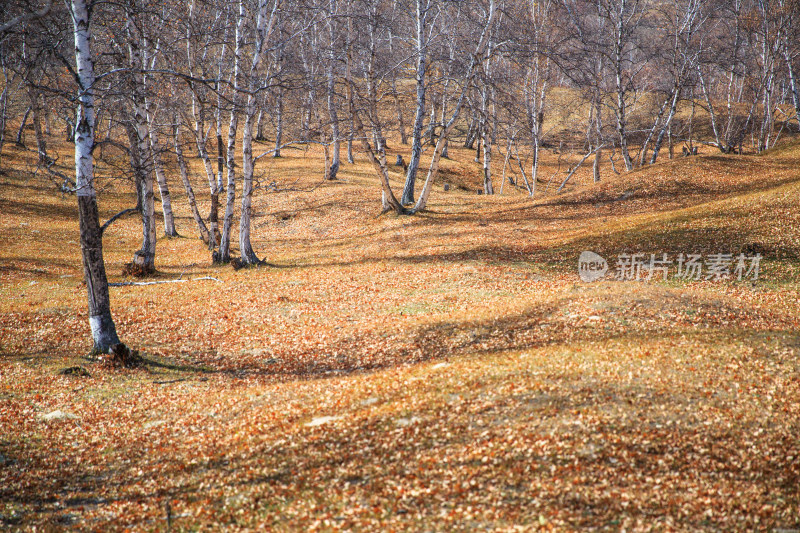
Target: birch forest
x: 311, y: 265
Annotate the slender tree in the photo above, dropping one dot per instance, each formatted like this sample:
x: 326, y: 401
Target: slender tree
x: 264, y: 25
x: 104, y: 332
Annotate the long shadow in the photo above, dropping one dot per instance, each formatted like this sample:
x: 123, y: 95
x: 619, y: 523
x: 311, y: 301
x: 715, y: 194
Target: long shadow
x: 723, y: 238
x: 675, y: 189
x: 538, y: 326
x: 539, y: 213
x: 34, y: 271
x: 150, y: 362
x: 36, y: 209
x: 623, y: 452
x: 676, y: 241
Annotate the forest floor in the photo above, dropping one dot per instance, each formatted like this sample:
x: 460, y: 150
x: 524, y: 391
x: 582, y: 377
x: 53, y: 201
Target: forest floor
x: 442, y: 372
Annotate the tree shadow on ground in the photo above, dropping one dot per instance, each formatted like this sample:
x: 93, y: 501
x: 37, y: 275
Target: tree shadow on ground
x: 546, y: 324
x: 647, y: 451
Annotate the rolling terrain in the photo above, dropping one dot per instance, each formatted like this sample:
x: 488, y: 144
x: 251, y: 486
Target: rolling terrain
x: 442, y: 372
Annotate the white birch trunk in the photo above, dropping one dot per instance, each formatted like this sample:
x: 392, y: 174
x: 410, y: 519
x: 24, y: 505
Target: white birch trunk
x: 263, y: 33
x: 104, y: 333
x: 201, y: 143
x: 143, y: 259
x: 161, y: 178
x: 224, y: 255
x: 200, y: 134
x: 21, y: 131
x: 372, y: 85
x: 416, y: 133
x: 187, y: 185
x: 487, y: 162
x: 477, y: 57
x: 155, y: 151
x: 332, y: 111
x: 654, y: 128
x: 535, y: 90
x: 278, y: 123
x: 621, y: 110
x: 3, y: 111
x: 666, y: 127
x: 41, y: 143
x: 218, y: 118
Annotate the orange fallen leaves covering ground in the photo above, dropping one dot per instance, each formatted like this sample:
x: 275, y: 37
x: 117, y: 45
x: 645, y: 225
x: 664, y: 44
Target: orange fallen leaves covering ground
x: 445, y: 372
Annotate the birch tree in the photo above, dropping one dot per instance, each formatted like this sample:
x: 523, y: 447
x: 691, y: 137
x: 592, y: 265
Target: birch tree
x: 335, y: 162
x: 685, y: 20
x: 224, y: 254
x: 537, y: 78
x: 205, y: 235
x: 198, y: 52
x: 789, y: 46
x: 423, y: 27
x: 144, y: 258
x: 263, y: 31
x: 624, y: 17
x: 477, y: 58
x: 156, y: 149
x: 104, y: 332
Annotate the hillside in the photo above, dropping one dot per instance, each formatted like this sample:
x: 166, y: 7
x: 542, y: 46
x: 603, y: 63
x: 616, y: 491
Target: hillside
x: 446, y: 371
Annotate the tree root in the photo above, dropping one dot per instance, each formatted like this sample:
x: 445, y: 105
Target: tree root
x: 121, y: 357
x: 238, y: 263
x: 136, y: 270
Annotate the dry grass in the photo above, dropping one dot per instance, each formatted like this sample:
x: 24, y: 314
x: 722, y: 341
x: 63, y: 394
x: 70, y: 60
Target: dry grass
x: 473, y: 381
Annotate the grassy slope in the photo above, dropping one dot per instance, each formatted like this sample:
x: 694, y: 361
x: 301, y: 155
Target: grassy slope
x: 477, y: 383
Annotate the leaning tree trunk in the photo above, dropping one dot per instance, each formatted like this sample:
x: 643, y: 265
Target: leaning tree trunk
x: 201, y: 142
x: 652, y: 131
x: 198, y: 218
x: 161, y: 178
x: 20, y: 140
x: 104, y: 333
x: 378, y: 160
x: 200, y: 132
x: 388, y: 199
x: 666, y: 127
